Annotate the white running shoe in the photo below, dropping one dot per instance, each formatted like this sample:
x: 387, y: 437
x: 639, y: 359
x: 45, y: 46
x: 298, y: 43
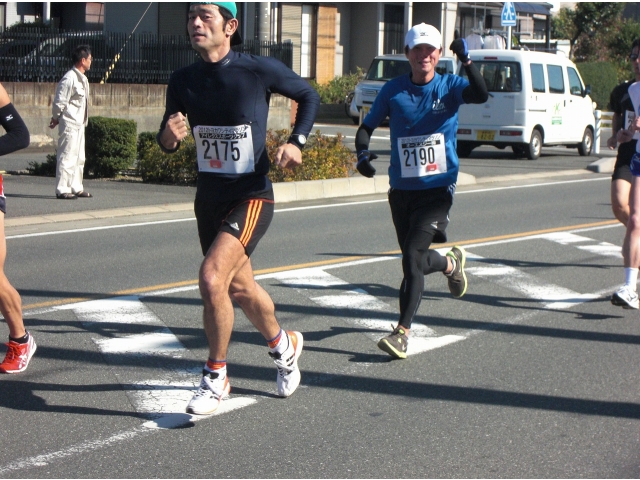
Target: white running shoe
x: 625, y: 297
x: 288, y: 377
x: 211, y: 392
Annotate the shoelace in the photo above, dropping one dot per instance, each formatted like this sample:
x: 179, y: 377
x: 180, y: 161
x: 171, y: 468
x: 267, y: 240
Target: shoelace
x: 13, y: 351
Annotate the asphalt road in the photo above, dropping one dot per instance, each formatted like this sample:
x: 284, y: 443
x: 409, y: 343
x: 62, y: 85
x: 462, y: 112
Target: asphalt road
x: 530, y: 375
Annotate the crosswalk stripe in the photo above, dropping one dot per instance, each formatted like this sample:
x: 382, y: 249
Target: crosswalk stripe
x: 357, y: 301
x: 601, y: 248
x: 161, y: 400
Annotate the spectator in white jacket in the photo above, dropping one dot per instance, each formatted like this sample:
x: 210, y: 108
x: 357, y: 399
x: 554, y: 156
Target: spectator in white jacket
x: 70, y: 113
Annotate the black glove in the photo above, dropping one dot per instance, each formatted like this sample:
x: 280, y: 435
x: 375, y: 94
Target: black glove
x: 364, y: 163
x: 461, y: 49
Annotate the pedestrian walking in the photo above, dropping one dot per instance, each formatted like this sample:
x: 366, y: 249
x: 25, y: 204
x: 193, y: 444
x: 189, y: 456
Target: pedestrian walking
x: 70, y: 113
x: 225, y: 99
x: 21, y: 345
x: 422, y: 107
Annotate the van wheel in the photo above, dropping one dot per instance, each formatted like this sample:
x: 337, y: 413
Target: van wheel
x: 464, y: 149
x: 586, y: 146
x: 535, y: 145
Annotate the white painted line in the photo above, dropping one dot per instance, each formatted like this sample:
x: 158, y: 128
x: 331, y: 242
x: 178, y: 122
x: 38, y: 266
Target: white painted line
x: 126, y: 310
x: 353, y: 302
x: 47, y: 458
x: 166, y: 397
x: 94, y: 229
x: 175, y: 420
x: 601, y: 248
x: 293, y: 209
x: 156, y: 343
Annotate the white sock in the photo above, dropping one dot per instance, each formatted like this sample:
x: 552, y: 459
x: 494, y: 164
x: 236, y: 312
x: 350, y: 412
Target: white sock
x: 453, y: 266
x: 631, y: 277
x: 282, y: 345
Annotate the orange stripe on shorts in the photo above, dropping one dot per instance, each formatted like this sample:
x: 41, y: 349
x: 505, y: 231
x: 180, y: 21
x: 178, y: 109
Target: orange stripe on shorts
x: 253, y: 214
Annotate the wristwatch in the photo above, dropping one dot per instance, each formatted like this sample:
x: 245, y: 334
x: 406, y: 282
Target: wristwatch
x: 298, y: 140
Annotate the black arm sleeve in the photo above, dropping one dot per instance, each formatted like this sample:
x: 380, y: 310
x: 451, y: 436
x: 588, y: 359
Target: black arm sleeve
x: 363, y: 137
x: 477, y: 91
x: 17, y: 136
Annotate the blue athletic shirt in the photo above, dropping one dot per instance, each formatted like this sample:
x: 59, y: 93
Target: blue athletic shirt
x: 420, y: 110
x: 235, y: 92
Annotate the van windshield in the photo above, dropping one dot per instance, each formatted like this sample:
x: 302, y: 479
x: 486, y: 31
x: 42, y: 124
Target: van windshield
x: 499, y: 76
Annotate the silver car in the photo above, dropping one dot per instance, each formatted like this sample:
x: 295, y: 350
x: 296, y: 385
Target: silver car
x: 382, y: 69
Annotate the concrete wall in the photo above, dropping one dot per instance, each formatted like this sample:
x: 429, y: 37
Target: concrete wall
x: 142, y: 103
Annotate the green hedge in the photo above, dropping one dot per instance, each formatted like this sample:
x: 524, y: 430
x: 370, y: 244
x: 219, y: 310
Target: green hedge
x: 602, y: 76
x: 322, y: 158
x: 110, y: 146
x: 179, y: 168
x: 334, y: 91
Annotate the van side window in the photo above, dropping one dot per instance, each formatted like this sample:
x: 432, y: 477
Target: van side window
x: 537, y: 78
x: 575, y: 85
x: 499, y: 76
x: 556, y: 79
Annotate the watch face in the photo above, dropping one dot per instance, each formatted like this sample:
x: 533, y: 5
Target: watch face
x: 302, y: 139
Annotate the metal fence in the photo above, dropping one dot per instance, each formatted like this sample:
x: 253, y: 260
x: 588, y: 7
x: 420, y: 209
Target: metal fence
x: 36, y: 56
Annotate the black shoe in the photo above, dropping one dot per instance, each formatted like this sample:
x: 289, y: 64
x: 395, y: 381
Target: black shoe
x: 457, y: 278
x: 396, y: 343
x: 83, y: 194
x: 66, y: 196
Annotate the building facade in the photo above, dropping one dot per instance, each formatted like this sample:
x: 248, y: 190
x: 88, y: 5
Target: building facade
x: 329, y: 39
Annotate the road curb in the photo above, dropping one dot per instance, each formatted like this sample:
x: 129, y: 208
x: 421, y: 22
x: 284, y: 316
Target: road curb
x: 298, y: 191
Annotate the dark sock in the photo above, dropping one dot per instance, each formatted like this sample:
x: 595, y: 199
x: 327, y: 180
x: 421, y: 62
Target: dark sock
x: 22, y: 340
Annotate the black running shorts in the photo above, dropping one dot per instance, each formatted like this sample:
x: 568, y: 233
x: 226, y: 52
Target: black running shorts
x: 426, y: 210
x: 247, y: 220
x: 621, y: 170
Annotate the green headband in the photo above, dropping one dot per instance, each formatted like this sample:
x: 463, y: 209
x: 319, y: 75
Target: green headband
x: 231, y: 6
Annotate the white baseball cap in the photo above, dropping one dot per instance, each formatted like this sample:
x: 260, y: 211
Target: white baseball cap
x: 423, y: 34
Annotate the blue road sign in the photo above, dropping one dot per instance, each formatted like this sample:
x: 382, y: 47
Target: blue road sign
x: 508, y: 15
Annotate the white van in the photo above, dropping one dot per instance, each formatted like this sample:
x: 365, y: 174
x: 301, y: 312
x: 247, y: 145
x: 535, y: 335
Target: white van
x: 535, y: 99
x: 383, y: 68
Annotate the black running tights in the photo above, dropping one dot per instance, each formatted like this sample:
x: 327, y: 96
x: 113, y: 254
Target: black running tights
x: 417, y: 261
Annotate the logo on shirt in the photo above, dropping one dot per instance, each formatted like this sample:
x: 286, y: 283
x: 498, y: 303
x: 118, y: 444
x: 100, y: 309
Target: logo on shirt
x: 9, y: 117
x: 438, y: 106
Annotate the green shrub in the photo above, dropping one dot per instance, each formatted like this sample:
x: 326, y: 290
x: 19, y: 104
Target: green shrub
x: 335, y: 90
x: 602, y: 77
x: 322, y: 158
x: 179, y: 168
x: 44, y: 169
x: 110, y: 146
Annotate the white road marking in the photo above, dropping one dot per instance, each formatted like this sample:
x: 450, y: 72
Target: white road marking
x: 164, y: 397
x: 357, y: 301
x: 601, y: 248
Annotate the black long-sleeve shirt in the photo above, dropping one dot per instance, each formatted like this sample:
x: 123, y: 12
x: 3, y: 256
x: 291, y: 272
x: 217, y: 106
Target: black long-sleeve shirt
x: 235, y: 92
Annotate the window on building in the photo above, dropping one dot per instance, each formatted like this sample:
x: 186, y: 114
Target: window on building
x: 394, y: 28
x: 94, y: 16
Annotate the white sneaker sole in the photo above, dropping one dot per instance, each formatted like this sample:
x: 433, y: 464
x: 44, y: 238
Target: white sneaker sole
x: 621, y: 302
